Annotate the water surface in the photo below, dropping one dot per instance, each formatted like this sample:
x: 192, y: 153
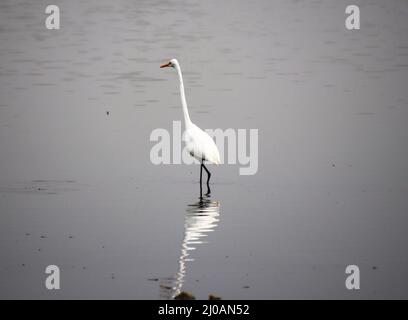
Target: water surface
x: 78, y: 189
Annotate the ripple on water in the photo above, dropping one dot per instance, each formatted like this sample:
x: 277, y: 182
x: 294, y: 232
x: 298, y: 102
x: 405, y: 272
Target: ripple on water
x: 43, y: 187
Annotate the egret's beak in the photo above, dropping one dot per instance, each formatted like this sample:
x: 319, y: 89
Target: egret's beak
x: 168, y: 64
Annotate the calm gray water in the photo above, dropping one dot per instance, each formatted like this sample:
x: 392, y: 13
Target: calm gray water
x: 78, y: 189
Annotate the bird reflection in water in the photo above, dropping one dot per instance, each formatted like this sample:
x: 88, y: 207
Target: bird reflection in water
x: 201, y: 218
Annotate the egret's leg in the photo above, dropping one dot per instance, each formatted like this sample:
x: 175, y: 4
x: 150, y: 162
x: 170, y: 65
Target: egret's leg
x: 208, y: 179
x: 201, y: 176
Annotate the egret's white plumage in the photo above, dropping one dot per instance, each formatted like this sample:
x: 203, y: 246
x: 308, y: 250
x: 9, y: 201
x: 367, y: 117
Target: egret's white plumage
x: 198, y: 142
x: 200, y: 145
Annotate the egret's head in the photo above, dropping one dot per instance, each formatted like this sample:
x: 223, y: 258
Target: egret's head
x: 172, y: 63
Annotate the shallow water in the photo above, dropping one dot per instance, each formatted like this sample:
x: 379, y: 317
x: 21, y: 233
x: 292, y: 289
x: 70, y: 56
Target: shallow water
x: 78, y: 189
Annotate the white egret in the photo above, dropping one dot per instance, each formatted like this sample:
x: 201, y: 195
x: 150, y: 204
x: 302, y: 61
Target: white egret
x: 198, y: 142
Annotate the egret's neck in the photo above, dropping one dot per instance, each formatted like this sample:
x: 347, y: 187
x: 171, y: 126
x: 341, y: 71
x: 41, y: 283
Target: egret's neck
x: 187, y: 120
